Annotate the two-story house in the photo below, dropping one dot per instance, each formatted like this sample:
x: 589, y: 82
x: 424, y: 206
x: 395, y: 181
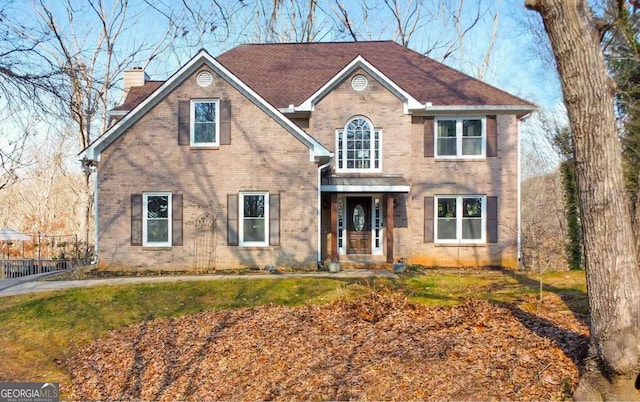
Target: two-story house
x: 295, y: 154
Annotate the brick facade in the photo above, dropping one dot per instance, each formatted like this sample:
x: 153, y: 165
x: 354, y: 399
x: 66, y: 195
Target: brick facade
x: 403, y: 153
x: 265, y: 156
x: 262, y: 156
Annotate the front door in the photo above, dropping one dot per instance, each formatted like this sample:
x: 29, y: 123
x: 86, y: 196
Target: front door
x: 358, y: 225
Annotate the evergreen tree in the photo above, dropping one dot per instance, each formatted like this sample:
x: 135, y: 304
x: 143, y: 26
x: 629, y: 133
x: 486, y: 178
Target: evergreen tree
x: 563, y: 141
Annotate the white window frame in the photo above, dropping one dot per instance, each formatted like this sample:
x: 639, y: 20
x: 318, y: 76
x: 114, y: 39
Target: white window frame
x: 377, y: 225
x: 342, y: 225
x: 241, y: 219
x: 459, y: 121
x: 192, y: 120
x: 341, y: 135
x: 459, y: 217
x: 145, y: 219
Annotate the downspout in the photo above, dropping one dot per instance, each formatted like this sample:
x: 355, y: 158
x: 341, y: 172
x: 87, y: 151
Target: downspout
x: 518, y: 219
x: 94, y: 260
x: 94, y: 171
x: 319, y: 210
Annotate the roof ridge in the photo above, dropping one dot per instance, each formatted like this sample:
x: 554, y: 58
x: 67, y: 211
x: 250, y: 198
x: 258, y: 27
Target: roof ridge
x: 320, y: 43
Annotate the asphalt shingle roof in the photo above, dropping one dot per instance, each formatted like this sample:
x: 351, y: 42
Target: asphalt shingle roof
x: 288, y: 74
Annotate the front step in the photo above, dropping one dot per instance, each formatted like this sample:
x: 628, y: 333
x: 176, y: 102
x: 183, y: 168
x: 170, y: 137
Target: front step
x: 378, y: 265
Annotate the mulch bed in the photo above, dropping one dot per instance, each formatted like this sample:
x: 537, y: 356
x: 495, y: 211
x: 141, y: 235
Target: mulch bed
x: 378, y: 347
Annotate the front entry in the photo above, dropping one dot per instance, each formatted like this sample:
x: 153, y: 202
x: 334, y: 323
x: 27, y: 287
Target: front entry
x: 358, y: 225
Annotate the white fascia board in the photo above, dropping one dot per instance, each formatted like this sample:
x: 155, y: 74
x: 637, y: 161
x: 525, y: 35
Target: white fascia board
x: 347, y: 188
x: 360, y: 62
x: 93, y: 151
x: 117, y: 112
x: 449, y: 109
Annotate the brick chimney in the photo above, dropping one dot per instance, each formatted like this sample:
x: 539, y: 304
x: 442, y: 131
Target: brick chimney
x: 136, y: 77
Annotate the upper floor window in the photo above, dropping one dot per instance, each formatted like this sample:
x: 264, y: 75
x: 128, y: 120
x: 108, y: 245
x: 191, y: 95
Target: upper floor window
x: 359, y: 146
x: 460, y: 138
x: 205, y: 123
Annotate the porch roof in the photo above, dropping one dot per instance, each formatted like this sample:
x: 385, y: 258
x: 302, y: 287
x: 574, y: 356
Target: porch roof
x: 365, y: 184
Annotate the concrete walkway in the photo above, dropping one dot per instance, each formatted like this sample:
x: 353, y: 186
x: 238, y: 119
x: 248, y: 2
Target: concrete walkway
x: 30, y: 284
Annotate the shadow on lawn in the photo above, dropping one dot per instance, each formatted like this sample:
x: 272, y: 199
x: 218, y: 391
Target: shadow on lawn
x: 573, y: 344
x: 575, y: 300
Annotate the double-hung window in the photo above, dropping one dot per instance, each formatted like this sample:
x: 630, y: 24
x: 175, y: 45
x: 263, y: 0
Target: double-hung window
x: 254, y: 219
x: 156, y: 225
x: 205, y: 127
x: 460, y: 219
x: 460, y: 137
x: 359, y: 146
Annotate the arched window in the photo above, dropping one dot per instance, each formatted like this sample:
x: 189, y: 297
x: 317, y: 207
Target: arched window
x: 358, y: 146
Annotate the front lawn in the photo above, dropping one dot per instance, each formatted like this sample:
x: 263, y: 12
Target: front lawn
x: 42, y: 331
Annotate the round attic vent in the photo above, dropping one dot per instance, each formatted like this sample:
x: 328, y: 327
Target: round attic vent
x: 359, y: 82
x: 204, y: 79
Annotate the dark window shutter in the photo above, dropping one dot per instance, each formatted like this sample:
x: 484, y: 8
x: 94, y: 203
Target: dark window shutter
x: 225, y: 122
x: 176, y: 219
x: 184, y: 113
x: 428, y: 137
x: 232, y: 219
x: 136, y: 219
x: 274, y: 219
x: 428, y: 219
x: 492, y: 219
x: 492, y: 136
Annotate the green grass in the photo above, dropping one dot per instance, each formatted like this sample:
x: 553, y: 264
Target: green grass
x: 40, y: 331
x: 448, y: 287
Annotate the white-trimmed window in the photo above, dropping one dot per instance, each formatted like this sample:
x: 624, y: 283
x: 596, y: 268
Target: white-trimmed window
x: 254, y: 219
x: 156, y: 215
x: 359, y: 146
x: 205, y: 127
x: 460, y: 219
x: 460, y: 137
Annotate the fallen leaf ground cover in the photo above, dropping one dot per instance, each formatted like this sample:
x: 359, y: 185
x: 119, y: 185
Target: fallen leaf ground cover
x: 446, y: 334
x: 377, y: 347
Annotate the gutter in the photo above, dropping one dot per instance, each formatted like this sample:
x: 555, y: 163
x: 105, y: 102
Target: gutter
x: 319, y: 210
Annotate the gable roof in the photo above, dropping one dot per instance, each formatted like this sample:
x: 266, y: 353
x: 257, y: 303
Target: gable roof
x: 155, y: 95
x: 297, y: 74
x: 286, y: 74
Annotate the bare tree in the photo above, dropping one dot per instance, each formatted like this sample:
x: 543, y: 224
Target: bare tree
x: 44, y: 199
x: 407, y: 21
x: 89, y: 43
x: 287, y: 21
x: 25, y: 75
x: 444, y: 25
x: 613, y: 278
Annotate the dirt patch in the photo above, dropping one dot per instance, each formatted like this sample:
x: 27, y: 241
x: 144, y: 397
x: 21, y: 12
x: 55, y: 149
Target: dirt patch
x: 377, y: 347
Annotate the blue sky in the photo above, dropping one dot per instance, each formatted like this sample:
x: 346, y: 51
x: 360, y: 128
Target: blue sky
x: 515, y: 65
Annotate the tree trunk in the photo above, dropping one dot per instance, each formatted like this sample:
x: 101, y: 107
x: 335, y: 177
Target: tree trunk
x: 86, y: 221
x: 613, y: 279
